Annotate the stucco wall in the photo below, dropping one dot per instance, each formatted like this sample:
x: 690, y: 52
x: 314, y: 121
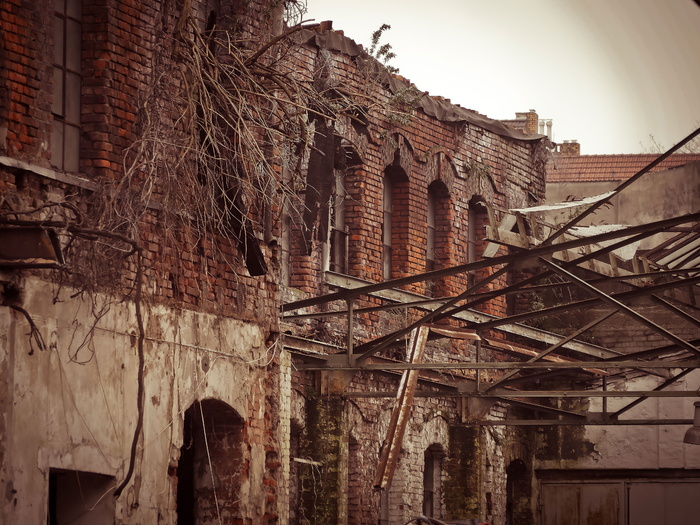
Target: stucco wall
x: 73, y: 406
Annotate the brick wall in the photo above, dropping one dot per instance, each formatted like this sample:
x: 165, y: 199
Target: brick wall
x: 466, y: 164
x: 125, y: 47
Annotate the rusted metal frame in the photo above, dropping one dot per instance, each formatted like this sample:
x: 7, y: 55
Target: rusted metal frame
x: 401, y: 413
x: 673, y: 308
x: 509, y: 347
x: 367, y: 349
x: 668, y: 242
x: 563, y: 394
x: 663, y: 385
x: 588, y: 423
x: 691, y: 257
x: 580, y: 304
x: 624, y: 308
x: 542, y: 375
x: 542, y: 275
x: 594, y: 206
x: 652, y: 352
x: 509, y: 396
x: 644, y: 230
x: 505, y: 365
x: 370, y: 309
x: 687, y: 244
x: 541, y: 408
x: 553, y: 348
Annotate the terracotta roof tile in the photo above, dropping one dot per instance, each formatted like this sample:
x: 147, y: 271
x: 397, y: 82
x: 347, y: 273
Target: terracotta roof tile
x: 584, y: 168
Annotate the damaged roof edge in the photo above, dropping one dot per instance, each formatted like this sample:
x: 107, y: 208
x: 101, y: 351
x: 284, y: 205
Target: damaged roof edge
x: 438, y: 108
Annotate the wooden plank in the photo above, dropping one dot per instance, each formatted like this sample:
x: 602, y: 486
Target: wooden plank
x: 402, y: 411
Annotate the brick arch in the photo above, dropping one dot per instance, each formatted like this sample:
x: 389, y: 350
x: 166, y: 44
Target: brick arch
x: 441, y: 168
x: 397, y: 151
x: 211, y: 468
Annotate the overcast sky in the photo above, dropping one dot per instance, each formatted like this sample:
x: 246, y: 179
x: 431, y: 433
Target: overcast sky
x: 609, y: 73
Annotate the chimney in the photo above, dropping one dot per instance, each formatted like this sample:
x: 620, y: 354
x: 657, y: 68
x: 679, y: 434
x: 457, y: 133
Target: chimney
x: 531, y: 123
x: 570, y: 148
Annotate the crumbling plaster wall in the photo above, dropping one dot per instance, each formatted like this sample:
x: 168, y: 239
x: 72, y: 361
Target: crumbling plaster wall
x: 59, y: 413
x: 636, y: 447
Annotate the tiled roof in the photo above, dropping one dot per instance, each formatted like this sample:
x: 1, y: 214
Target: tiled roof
x: 584, y: 168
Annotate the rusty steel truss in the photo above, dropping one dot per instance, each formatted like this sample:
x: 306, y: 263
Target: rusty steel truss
x: 538, y: 364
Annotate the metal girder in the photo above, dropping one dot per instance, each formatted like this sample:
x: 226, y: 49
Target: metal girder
x: 500, y: 365
x: 643, y: 230
x: 624, y: 308
x: 503, y: 394
x: 565, y: 422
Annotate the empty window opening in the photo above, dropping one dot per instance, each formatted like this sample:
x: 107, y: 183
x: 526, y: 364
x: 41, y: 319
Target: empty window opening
x: 210, y: 470
x: 438, y: 225
x: 387, y: 226
x: 339, y: 232
x: 476, y: 223
x: 65, y: 132
x: 395, y: 220
x: 80, y: 498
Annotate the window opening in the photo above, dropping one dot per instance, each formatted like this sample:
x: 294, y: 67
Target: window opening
x: 476, y: 218
x: 80, y: 498
x: 430, y: 234
x: 339, y: 233
x: 65, y: 132
x: 432, y: 480
x: 387, y: 225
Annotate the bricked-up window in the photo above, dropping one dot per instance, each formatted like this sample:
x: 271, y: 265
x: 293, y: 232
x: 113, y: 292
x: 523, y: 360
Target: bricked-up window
x: 338, y: 233
x: 65, y: 133
x: 387, y: 226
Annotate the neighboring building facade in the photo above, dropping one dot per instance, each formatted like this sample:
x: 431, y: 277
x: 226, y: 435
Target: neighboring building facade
x: 635, y: 474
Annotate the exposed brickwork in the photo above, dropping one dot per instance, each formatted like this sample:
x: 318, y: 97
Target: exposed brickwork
x: 123, y: 45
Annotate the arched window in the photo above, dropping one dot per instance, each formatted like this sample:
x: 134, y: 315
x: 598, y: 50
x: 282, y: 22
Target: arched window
x: 338, y: 260
x: 476, y: 224
x: 387, y: 226
x: 432, y: 481
x: 518, y: 494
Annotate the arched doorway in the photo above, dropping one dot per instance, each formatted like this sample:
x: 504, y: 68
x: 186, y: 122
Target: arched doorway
x: 211, y: 466
x: 518, y: 494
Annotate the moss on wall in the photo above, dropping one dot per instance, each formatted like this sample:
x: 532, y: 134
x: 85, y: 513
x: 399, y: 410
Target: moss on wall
x: 461, y: 486
x: 318, y: 481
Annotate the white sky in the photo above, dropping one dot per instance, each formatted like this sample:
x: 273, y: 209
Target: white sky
x: 609, y: 73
